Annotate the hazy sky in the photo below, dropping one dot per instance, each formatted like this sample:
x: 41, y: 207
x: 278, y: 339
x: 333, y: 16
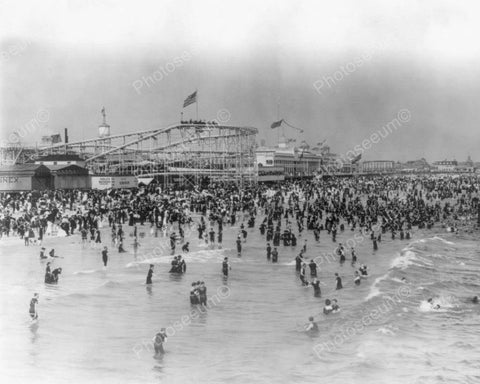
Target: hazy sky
x: 368, y: 59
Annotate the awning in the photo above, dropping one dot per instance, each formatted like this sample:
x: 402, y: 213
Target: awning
x: 145, y: 180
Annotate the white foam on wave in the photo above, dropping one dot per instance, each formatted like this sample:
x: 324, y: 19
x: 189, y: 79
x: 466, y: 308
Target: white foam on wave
x: 443, y: 240
x: 87, y: 272
x: 445, y: 302
x: 202, y: 256
x: 406, y: 258
x: 374, y: 290
x: 109, y: 284
x: 386, y: 331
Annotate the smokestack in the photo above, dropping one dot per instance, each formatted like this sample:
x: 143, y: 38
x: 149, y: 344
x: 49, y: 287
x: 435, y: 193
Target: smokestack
x: 66, y: 135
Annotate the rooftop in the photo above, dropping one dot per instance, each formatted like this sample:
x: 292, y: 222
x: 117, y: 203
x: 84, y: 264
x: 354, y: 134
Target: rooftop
x: 61, y: 157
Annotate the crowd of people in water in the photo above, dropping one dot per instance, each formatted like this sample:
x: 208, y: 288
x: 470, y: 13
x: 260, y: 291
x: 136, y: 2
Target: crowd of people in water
x: 375, y: 207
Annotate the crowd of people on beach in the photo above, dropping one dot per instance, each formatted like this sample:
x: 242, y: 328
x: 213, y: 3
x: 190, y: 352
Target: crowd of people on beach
x: 371, y: 207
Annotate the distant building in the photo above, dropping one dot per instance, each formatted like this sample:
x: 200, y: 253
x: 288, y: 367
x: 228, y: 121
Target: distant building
x: 349, y: 167
x: 330, y: 161
x: 61, y: 160
x: 288, y: 161
x: 25, y: 177
x: 378, y: 166
x: 467, y: 166
x: 420, y: 165
x: 446, y: 165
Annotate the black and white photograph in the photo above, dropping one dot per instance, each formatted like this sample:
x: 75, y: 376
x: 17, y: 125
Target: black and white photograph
x: 255, y: 191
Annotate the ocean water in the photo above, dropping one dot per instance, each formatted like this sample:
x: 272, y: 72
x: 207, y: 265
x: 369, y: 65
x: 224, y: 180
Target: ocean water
x: 97, y: 324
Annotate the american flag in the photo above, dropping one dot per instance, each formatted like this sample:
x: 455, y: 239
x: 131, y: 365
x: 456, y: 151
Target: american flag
x: 190, y: 99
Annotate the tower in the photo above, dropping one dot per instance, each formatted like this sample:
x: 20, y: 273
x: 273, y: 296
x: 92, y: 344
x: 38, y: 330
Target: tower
x: 104, y: 128
x: 104, y: 133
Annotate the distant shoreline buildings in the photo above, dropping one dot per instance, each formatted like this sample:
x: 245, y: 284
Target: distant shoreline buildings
x: 191, y: 152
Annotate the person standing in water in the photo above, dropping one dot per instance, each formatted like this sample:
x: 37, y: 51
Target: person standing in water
x: 274, y: 255
x: 313, y: 268
x: 302, y: 274
x: 338, y: 279
x: 48, y: 273
x: 239, y: 246
x: 158, y: 340
x: 105, y: 256
x: 33, y: 307
x: 149, y: 275
x: 225, y: 267
x: 202, y: 291
x: 354, y: 257
x: 316, y: 287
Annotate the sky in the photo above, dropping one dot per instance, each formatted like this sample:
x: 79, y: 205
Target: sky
x: 339, y: 70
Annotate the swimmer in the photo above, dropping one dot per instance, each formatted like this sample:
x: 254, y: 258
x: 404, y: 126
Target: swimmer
x: 335, y: 306
x: 432, y: 305
x: 363, y: 270
x: 327, y: 309
x: 33, y: 307
x: 311, y: 326
x: 357, y: 279
x: 158, y: 340
x: 52, y: 253
x: 475, y: 299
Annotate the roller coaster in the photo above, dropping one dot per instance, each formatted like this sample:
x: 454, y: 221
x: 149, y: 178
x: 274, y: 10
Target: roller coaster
x: 191, y: 150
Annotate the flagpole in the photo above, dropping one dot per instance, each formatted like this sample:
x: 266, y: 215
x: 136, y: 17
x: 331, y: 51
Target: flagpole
x: 278, y: 119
